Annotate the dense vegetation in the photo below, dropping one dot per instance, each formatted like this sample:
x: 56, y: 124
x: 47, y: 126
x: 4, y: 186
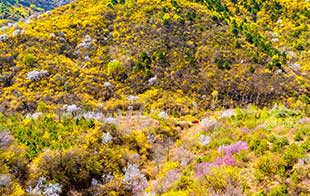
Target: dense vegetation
x: 126, y: 97
x: 233, y: 152
x: 13, y: 10
x: 217, y: 56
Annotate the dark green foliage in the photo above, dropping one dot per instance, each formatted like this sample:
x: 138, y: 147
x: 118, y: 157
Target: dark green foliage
x: 144, y: 64
x: 223, y: 64
x: 251, y: 69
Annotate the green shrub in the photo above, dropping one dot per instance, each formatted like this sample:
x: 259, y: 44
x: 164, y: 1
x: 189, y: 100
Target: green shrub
x: 279, y: 143
x: 275, y: 63
x: 271, y: 164
x: 264, y: 165
x: 73, y: 167
x: 293, y: 153
x: 223, y: 64
x: 29, y: 60
x: 114, y: 67
x: 42, y: 107
x: 259, y: 146
x: 279, y: 191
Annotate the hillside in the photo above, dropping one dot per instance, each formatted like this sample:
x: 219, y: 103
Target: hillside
x: 178, y: 97
x: 191, y: 48
x: 12, y: 10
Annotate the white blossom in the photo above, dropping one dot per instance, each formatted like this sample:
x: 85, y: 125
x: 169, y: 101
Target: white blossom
x: 106, y: 178
x: 110, y: 120
x: 37, y: 189
x: 36, y: 75
x: 86, y: 46
x: 72, y: 108
x: 4, y: 37
x: 132, y: 98
x: 304, y: 120
x: 135, y: 180
x: 152, y: 80
x: 107, y: 84
x: 106, y: 138
x: 5, y: 139
x: 94, y: 182
x: 17, y: 32
x: 292, y: 55
x: 42, y: 188
x: 208, y: 123
x: 228, y: 113
x: 34, y: 115
x: 204, y: 139
x: 28, y: 21
x: 295, y: 66
x: 275, y: 40
x: 87, y: 58
x: 93, y: 115
x: 52, y: 189
x: 279, y: 71
x: 4, y: 180
x: 163, y: 115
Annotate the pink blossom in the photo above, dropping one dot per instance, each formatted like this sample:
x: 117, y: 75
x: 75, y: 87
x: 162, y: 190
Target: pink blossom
x: 203, y: 168
x: 233, y: 148
x: 226, y: 160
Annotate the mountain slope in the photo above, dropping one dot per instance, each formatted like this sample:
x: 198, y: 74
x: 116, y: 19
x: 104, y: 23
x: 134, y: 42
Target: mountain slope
x: 214, y: 55
x: 12, y: 10
x: 128, y: 97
